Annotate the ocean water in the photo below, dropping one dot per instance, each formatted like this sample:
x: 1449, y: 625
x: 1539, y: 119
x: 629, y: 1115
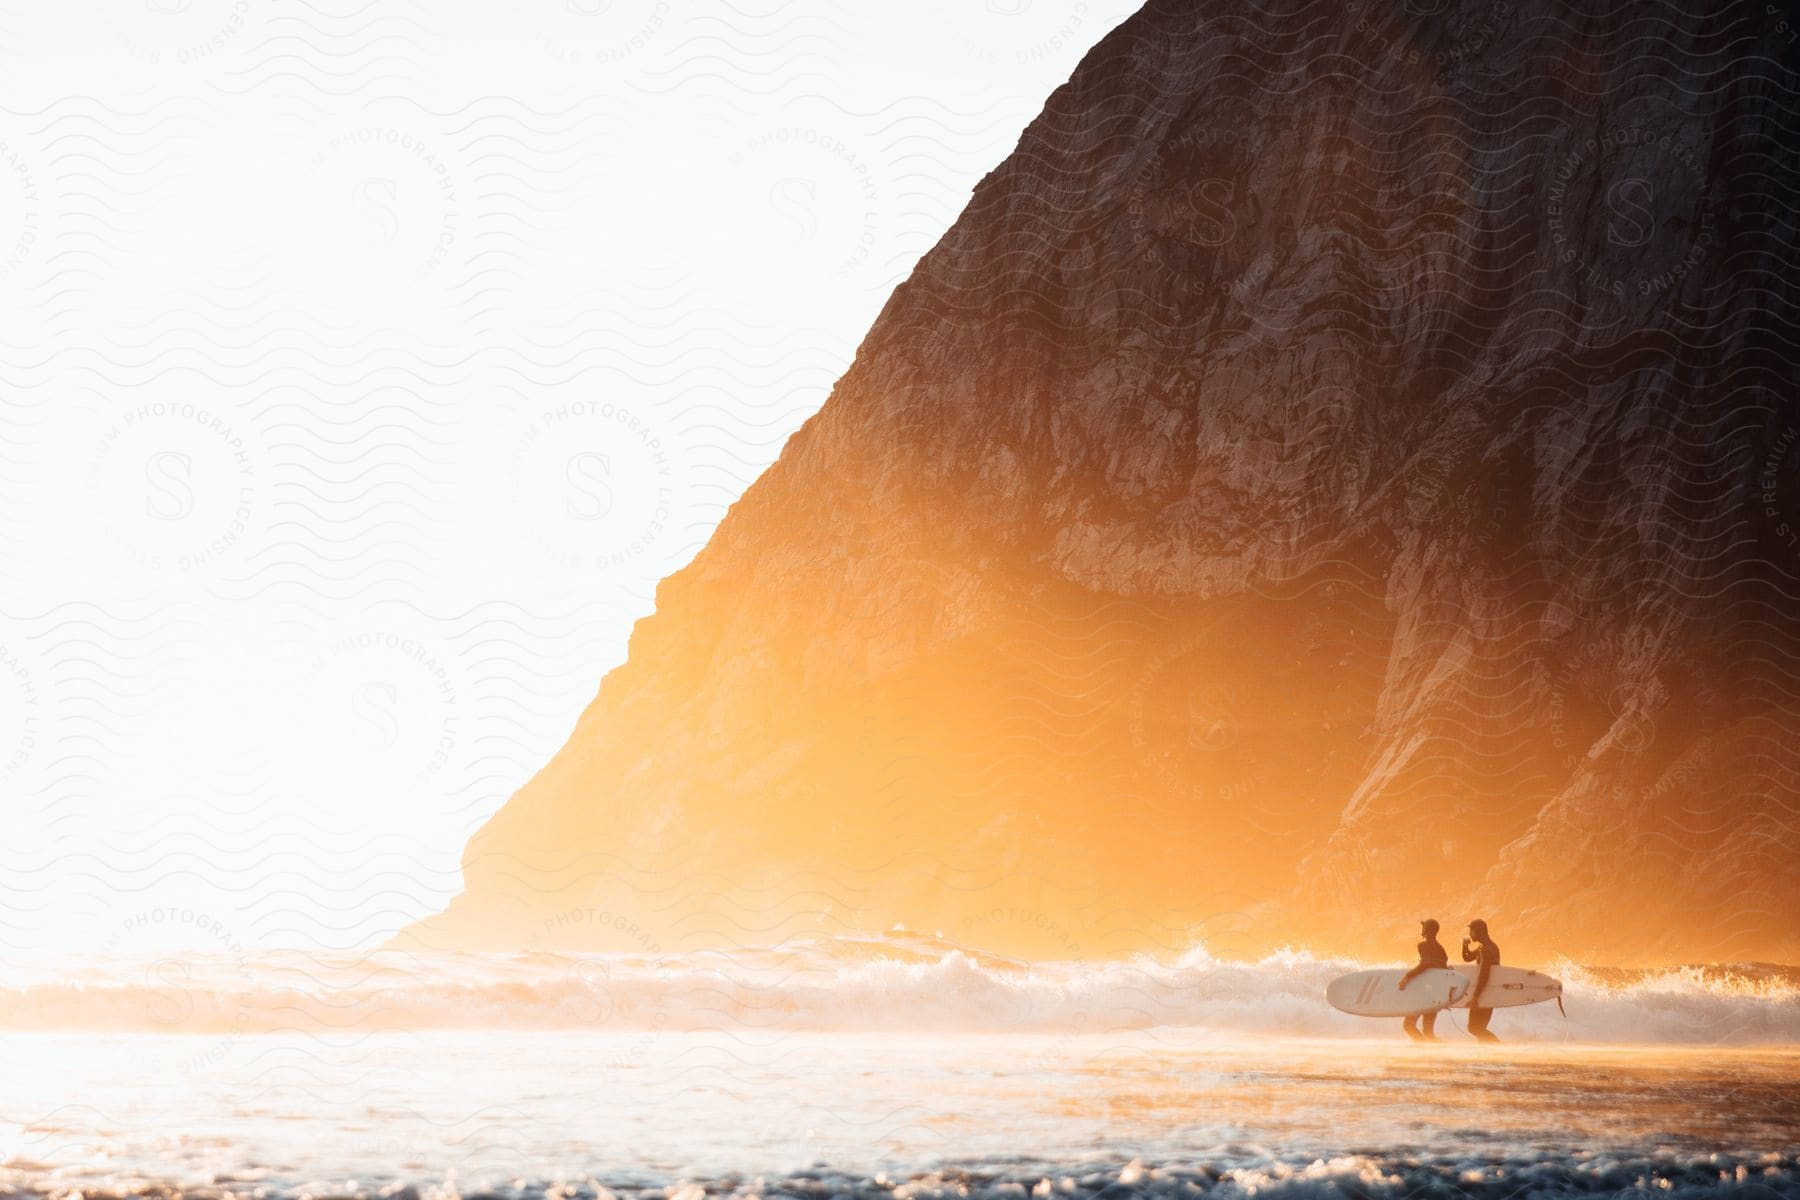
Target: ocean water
x: 865, y: 1068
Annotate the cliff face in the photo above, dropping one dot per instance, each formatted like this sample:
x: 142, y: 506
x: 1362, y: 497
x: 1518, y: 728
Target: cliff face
x: 1343, y: 467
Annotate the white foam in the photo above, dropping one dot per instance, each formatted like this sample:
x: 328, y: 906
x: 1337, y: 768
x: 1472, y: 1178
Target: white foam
x: 903, y: 982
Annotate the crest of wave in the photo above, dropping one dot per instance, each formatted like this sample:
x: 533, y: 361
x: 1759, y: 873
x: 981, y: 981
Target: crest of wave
x: 896, y: 982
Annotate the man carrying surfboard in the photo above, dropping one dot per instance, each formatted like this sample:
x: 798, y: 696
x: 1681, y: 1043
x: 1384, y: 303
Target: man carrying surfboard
x: 1431, y: 954
x: 1487, y: 954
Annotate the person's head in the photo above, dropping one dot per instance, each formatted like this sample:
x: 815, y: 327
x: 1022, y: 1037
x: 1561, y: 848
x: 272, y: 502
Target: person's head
x: 1478, y: 929
x: 1428, y: 927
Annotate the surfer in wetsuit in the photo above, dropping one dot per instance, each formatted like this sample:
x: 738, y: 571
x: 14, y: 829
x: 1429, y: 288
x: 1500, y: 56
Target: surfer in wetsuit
x: 1487, y: 954
x: 1431, y: 954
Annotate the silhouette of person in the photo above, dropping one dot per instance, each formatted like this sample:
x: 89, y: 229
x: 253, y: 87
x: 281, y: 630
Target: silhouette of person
x: 1488, y: 955
x: 1431, y: 954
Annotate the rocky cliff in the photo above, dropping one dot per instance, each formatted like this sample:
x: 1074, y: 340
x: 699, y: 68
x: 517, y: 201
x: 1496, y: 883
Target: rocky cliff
x: 1343, y: 467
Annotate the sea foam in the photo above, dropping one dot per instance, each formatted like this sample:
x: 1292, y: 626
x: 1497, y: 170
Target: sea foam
x: 899, y: 982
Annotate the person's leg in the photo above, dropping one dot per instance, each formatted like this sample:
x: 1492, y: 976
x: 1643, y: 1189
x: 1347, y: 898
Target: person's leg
x: 1430, y: 1027
x: 1478, y: 1024
x: 1411, y: 1025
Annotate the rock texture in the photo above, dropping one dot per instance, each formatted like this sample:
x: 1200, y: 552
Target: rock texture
x: 1343, y: 467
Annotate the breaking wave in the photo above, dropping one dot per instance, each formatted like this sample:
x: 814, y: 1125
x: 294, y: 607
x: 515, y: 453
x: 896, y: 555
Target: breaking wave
x: 1364, y: 1176
x: 896, y: 982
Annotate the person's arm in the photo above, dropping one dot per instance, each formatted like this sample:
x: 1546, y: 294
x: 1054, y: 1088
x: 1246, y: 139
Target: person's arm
x: 1481, y: 976
x: 1467, y: 956
x: 1410, y: 976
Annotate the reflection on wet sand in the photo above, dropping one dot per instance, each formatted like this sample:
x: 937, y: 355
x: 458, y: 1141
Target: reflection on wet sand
x: 361, y: 1112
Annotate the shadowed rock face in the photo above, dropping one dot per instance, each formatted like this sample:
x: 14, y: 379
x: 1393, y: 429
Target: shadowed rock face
x: 1343, y: 467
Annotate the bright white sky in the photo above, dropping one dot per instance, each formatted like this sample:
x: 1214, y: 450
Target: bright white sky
x: 362, y: 368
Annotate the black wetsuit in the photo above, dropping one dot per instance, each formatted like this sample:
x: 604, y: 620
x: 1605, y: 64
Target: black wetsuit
x: 1489, y: 953
x: 1431, y: 954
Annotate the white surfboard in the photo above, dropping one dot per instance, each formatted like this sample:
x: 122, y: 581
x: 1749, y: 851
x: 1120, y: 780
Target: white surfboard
x: 1378, y: 994
x: 1509, y: 987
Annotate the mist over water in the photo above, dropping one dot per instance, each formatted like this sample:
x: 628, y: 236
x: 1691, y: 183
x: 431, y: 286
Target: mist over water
x: 899, y: 1066
x: 899, y: 982
x: 675, y: 1116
